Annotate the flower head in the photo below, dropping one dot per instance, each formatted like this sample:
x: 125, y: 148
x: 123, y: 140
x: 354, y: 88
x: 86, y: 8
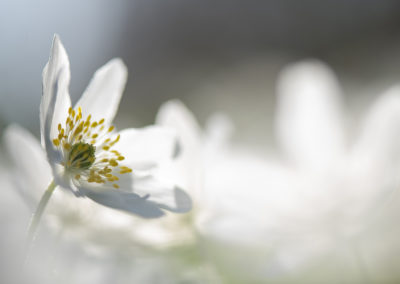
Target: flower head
x: 86, y: 150
x: 88, y: 156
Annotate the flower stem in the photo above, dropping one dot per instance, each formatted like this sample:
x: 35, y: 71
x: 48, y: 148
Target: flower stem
x: 39, y: 212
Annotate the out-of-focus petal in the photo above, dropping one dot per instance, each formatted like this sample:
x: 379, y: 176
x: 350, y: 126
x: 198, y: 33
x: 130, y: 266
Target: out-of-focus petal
x: 56, y: 72
x: 379, y: 142
x: 30, y: 160
x: 189, y: 161
x: 175, y: 114
x: 239, y: 183
x: 102, y: 96
x: 218, y: 132
x: 309, y: 126
x: 145, y: 148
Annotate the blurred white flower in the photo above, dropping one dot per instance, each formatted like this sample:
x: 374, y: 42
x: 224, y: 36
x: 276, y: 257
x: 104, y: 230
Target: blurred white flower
x: 86, y: 155
x: 12, y: 224
x: 321, y: 198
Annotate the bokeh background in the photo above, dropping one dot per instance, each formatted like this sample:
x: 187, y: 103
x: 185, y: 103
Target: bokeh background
x: 215, y: 56
x: 221, y: 56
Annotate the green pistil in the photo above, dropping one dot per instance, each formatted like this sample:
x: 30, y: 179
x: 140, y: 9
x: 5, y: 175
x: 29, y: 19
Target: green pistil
x: 81, y: 156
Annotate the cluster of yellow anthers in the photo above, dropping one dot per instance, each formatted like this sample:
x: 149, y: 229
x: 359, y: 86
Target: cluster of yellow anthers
x: 86, y: 147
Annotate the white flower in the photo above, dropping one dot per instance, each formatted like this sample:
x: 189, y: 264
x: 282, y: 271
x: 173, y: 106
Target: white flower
x: 322, y: 197
x: 223, y: 176
x: 87, y: 155
x: 283, y: 215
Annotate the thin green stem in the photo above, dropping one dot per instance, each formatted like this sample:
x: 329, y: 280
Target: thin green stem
x: 39, y: 212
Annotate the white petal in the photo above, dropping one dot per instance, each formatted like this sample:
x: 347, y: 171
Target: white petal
x: 164, y: 194
x: 175, y: 114
x: 189, y: 162
x: 142, y: 196
x: 145, y: 148
x: 380, y: 138
x: 56, y: 72
x: 309, y: 126
x: 219, y: 130
x: 54, y: 155
x: 126, y: 201
x: 101, y: 98
x: 33, y: 171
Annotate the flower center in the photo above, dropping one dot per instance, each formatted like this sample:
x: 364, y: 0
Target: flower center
x: 87, y: 150
x: 81, y: 156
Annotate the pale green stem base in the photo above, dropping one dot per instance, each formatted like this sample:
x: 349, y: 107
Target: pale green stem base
x: 38, y: 213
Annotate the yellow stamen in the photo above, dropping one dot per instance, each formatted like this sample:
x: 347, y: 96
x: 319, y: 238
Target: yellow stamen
x: 67, y: 146
x: 80, y: 155
x: 113, y: 163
